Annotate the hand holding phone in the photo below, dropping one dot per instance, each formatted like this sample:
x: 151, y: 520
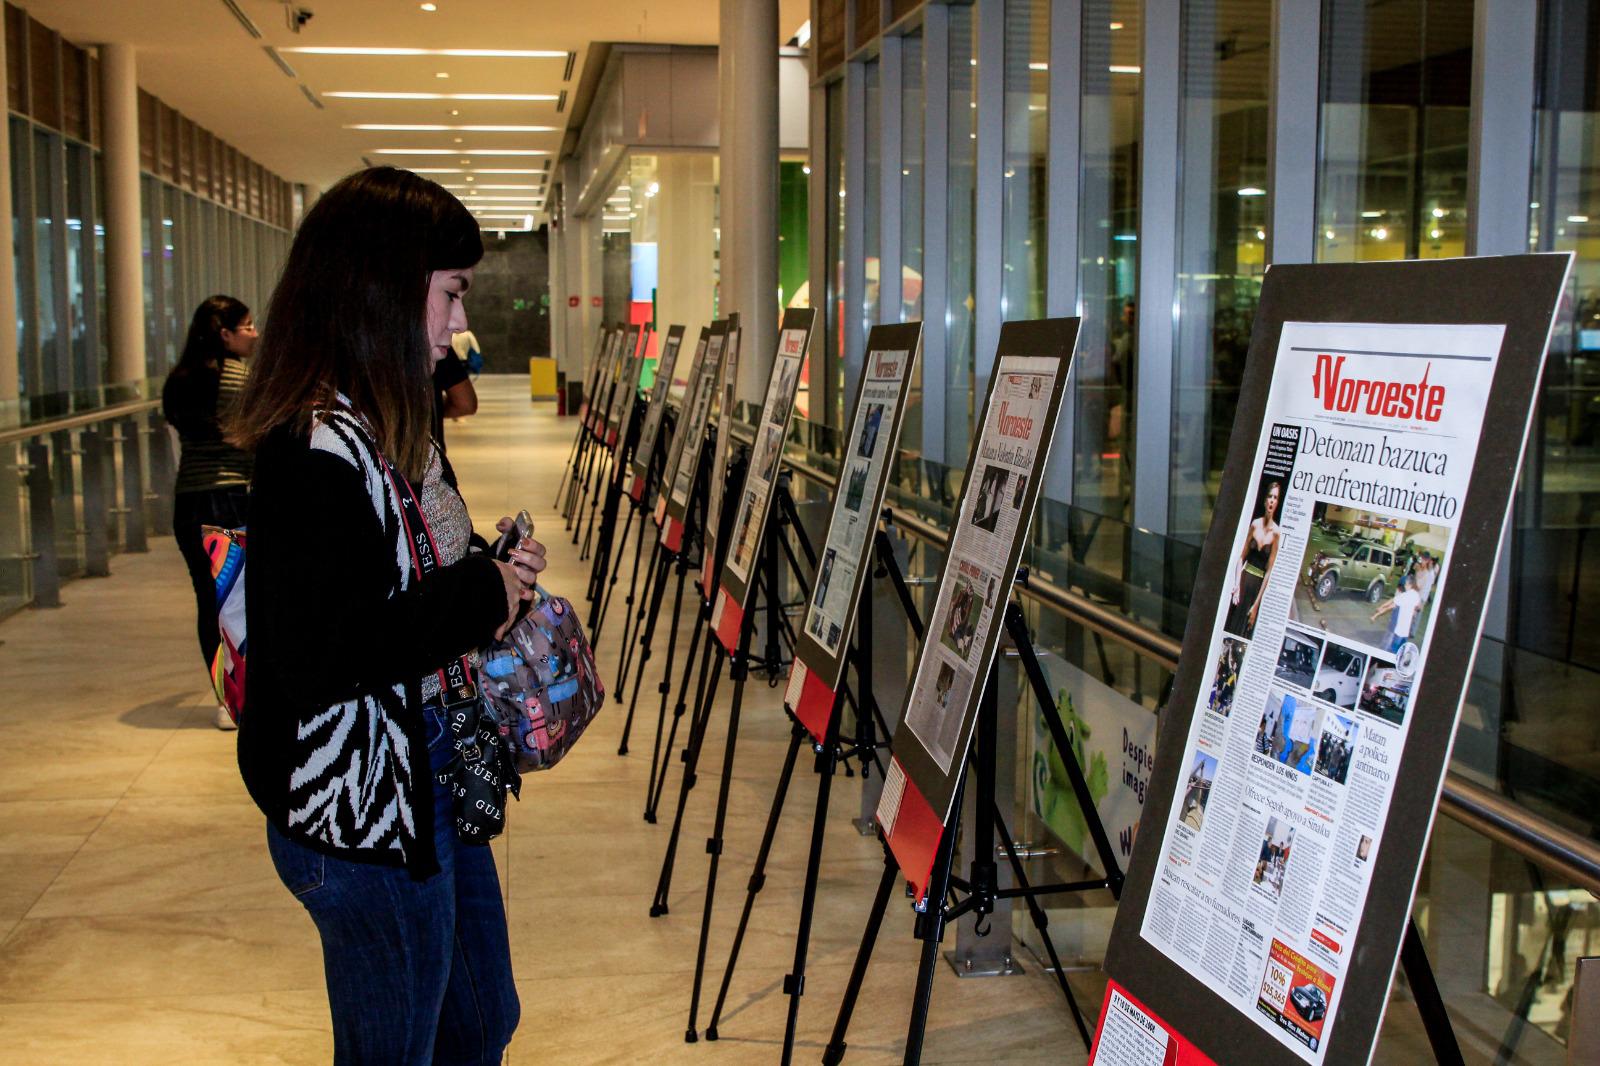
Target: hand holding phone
x: 521, y: 529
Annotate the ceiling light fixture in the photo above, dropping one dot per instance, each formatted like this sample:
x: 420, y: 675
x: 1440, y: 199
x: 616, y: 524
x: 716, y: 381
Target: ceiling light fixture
x: 439, y: 127
x: 1116, y: 69
x: 461, y: 151
x: 1578, y: 218
x: 1116, y: 25
x: 463, y: 53
x: 362, y: 94
x: 442, y: 74
x: 1251, y: 190
x: 429, y: 7
x: 1038, y: 66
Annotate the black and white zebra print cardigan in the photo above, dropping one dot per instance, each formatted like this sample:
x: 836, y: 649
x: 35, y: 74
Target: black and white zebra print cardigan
x: 331, y: 741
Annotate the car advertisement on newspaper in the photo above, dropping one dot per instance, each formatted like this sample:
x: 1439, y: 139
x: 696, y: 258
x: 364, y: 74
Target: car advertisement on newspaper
x: 1321, y: 636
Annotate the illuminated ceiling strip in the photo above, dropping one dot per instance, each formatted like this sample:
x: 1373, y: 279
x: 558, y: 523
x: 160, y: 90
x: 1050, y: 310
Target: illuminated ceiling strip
x: 354, y: 95
x: 532, y: 188
x: 466, y: 170
x: 463, y: 53
x: 402, y: 127
x: 459, y: 151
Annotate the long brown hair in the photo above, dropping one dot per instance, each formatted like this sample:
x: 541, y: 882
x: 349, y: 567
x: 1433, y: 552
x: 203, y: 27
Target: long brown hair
x: 349, y: 313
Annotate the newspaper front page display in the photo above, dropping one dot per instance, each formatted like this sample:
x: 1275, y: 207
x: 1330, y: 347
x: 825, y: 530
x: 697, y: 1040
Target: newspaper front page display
x: 761, y: 475
x: 1322, y: 636
x: 1011, y: 446
x: 722, y: 406
x: 673, y: 504
x: 675, y: 443
x: 626, y: 390
x: 846, y: 560
x: 602, y: 345
x: 954, y: 661
x: 645, y: 450
x: 594, y: 410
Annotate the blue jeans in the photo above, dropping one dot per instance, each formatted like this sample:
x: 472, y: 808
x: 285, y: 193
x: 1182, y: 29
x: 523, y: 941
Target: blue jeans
x: 418, y: 972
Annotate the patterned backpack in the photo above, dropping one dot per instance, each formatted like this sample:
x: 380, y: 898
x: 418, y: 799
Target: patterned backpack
x: 541, y: 685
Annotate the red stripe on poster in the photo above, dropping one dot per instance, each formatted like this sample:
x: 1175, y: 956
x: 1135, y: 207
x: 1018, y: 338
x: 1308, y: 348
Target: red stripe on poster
x: 915, y: 838
x: 1131, y: 1034
x: 814, y: 708
x: 636, y: 490
x: 672, y: 535
x: 727, y: 621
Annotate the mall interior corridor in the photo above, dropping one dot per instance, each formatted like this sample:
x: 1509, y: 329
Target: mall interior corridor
x: 142, y: 921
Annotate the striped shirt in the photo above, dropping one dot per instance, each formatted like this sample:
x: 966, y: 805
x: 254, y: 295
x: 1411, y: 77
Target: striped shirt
x: 196, y: 412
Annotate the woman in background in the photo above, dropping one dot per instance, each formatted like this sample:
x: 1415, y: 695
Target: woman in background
x: 213, y: 475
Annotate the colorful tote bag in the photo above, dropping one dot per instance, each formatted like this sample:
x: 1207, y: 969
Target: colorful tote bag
x: 225, y: 548
x: 541, y: 683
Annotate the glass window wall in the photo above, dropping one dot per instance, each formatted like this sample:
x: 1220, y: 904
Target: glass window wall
x: 1222, y: 198
x: 959, y: 314
x: 1396, y: 83
x: 1108, y: 228
x: 1025, y: 190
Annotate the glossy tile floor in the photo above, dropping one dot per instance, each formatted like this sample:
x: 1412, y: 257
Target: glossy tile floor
x: 142, y: 922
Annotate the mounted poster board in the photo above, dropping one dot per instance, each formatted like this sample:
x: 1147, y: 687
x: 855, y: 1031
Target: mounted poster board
x: 594, y: 407
x: 1334, y: 621
x: 761, y: 476
x: 626, y: 390
x: 722, y: 409
x: 846, y: 561
x: 645, y: 450
x: 998, y: 496
x: 602, y: 345
x: 672, y: 506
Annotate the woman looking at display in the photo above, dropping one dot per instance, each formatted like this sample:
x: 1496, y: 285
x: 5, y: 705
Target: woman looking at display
x: 213, y: 479
x: 343, y: 736
x: 1255, y: 563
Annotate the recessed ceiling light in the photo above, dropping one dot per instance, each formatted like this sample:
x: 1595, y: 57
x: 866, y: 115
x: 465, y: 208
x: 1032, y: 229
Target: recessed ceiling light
x: 463, y: 151
x: 1116, y: 69
x: 465, y: 53
x: 1251, y: 190
x: 442, y: 74
x: 1038, y: 66
x: 1116, y: 25
x: 458, y: 140
x: 454, y: 112
x: 435, y: 127
x: 429, y: 7
x: 1580, y: 219
x: 361, y: 94
x: 469, y: 177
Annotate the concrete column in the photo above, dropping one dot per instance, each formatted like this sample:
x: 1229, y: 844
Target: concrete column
x: 748, y: 71
x: 8, y: 270
x: 119, y: 110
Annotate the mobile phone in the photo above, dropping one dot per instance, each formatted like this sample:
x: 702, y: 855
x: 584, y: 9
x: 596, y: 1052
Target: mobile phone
x: 522, y: 526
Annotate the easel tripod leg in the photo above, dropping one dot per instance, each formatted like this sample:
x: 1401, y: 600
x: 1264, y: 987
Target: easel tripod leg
x: 714, y: 842
x: 758, y: 873
x: 1430, y: 1004
x: 644, y: 648
x: 930, y: 930
x: 697, y: 727
x: 634, y: 621
x: 794, y: 983
x: 628, y: 630
x: 833, y: 1054
x: 1041, y: 922
x: 658, y: 767
x: 709, y: 673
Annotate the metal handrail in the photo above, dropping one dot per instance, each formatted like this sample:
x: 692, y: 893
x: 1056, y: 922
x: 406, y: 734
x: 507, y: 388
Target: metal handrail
x: 1537, y: 839
x: 78, y: 421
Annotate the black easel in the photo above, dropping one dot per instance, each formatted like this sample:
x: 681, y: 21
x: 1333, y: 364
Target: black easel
x: 831, y: 754
x: 773, y: 542
x: 736, y: 468
x: 765, y: 576
x: 664, y: 560
x: 608, y: 558
x: 654, y: 475
x: 981, y: 887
